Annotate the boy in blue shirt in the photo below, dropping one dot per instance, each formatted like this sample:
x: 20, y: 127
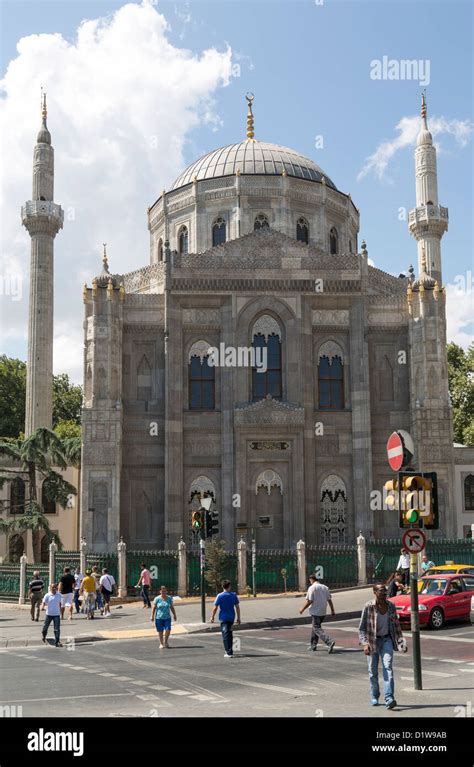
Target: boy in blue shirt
x: 228, y: 602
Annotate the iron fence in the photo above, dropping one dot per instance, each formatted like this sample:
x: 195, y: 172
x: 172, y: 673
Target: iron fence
x: 336, y: 565
x: 163, y: 566
x: 276, y: 571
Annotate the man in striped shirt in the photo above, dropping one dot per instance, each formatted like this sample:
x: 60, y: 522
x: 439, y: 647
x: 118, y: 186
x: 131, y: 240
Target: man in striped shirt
x: 35, y: 592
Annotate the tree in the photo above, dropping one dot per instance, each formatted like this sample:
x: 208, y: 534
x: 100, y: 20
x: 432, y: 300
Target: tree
x: 67, y: 429
x: 67, y: 398
x: 461, y: 390
x: 216, y: 559
x: 31, y: 460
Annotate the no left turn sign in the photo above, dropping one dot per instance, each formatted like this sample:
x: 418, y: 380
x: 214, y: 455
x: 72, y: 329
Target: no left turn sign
x: 414, y: 541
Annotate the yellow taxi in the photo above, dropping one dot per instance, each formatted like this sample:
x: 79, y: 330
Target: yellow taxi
x: 449, y: 568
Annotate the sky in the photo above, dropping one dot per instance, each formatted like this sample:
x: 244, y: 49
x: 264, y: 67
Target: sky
x: 137, y: 91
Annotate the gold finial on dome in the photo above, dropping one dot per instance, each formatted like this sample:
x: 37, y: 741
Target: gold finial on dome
x: 250, y: 123
x: 44, y: 109
x: 423, y: 104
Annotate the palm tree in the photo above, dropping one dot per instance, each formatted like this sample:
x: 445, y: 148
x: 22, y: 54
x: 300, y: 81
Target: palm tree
x: 32, y: 459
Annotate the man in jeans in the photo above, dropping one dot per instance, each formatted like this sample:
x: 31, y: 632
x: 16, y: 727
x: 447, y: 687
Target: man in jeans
x: 228, y: 602
x: 145, y: 582
x: 52, y: 604
x: 35, y: 591
x: 380, y: 634
x: 318, y: 598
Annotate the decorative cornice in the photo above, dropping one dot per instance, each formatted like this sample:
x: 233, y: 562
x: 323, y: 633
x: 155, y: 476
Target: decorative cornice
x: 269, y: 412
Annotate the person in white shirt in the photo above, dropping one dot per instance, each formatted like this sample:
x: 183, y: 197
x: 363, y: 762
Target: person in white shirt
x: 107, y: 585
x: 52, y: 605
x: 78, y: 578
x: 318, y: 598
x: 404, y: 566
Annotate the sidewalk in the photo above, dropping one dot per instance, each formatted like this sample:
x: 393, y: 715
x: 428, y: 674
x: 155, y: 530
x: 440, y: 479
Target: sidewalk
x: 130, y: 621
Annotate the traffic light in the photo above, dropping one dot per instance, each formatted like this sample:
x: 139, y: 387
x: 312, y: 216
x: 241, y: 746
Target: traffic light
x: 197, y: 521
x: 416, y: 500
x: 212, y: 523
x: 391, y: 499
x: 431, y: 519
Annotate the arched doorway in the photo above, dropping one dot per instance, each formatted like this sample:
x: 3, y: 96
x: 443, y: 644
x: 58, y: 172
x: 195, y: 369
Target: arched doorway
x: 333, y: 503
x: 269, y: 510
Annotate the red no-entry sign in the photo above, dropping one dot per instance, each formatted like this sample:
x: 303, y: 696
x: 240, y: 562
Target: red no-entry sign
x: 414, y: 540
x: 395, y: 451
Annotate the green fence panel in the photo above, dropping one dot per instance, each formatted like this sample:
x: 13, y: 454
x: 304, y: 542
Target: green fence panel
x: 268, y: 576
x: 228, y: 572
x: 460, y: 552
x: 43, y: 568
x: 383, y: 555
x: 163, y: 566
x: 10, y: 581
x: 336, y: 565
x: 64, y: 559
x: 108, y: 560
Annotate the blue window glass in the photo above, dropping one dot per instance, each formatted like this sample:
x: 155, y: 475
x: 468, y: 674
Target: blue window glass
x: 268, y: 382
x: 201, y: 384
x: 331, y: 383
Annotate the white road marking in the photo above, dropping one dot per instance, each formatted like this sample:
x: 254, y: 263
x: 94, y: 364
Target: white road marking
x: 105, y: 673
x: 433, y: 673
x: 158, y: 687
x: 123, y: 678
x: 450, y: 660
x: 179, y: 692
x: 140, y: 682
x: 76, y: 697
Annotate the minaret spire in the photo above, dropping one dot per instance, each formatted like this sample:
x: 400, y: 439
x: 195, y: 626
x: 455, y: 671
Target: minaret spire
x: 428, y: 221
x: 43, y: 219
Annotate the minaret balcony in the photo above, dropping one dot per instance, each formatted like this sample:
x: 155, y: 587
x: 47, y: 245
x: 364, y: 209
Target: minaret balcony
x: 42, y: 216
x: 428, y: 218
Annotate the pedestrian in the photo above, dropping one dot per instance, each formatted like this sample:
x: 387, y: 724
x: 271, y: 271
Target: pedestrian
x: 52, y: 603
x: 88, y: 593
x: 161, y: 614
x: 98, y: 594
x: 395, y: 585
x: 66, y: 588
x: 403, y: 565
x: 145, y: 582
x: 318, y: 597
x: 380, y: 634
x: 107, y: 585
x: 35, y: 592
x: 426, y: 564
x: 228, y: 603
x: 78, y: 578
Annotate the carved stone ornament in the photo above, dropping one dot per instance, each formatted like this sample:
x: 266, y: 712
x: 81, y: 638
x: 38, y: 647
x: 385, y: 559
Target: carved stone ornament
x: 199, y: 349
x: 266, y: 326
x: 202, y: 485
x: 268, y: 479
x: 269, y: 445
x: 330, y: 317
x: 330, y: 349
x: 333, y: 483
x: 269, y: 412
x: 201, y: 317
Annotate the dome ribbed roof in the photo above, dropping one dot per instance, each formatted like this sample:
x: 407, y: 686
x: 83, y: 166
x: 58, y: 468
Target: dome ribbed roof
x: 252, y: 157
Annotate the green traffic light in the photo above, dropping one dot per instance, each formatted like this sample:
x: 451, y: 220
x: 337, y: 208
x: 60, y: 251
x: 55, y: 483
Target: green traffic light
x: 412, y: 516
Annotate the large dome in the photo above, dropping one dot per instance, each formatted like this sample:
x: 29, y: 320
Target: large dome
x: 252, y: 157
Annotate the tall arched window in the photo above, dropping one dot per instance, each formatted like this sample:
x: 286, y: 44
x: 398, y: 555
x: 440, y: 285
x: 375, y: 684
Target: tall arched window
x: 330, y: 377
x: 302, y: 230
x: 17, y: 496
x: 218, y: 231
x: 201, y: 378
x: 160, y: 250
x: 261, y: 222
x: 266, y: 374
x: 333, y: 247
x: 183, y: 238
x: 469, y: 493
x: 49, y: 507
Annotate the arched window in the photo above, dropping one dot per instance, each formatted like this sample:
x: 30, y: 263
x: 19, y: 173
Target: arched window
x: 302, y: 230
x: 160, y: 250
x: 266, y: 373
x: 350, y: 246
x: 183, y: 240
x: 144, y: 380
x: 49, y: 507
x: 261, y: 222
x: 330, y: 377
x: 218, y: 231
x: 385, y: 371
x: 469, y: 493
x: 333, y: 247
x: 201, y: 378
x: 17, y: 496
x: 269, y: 510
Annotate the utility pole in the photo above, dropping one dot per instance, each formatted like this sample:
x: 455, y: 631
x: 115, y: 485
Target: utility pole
x: 202, y: 546
x: 254, y: 564
x: 415, y: 622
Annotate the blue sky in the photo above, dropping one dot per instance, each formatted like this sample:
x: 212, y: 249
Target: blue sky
x: 309, y: 68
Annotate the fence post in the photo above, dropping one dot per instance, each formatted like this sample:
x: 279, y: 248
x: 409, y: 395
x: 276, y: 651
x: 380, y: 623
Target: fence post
x: 23, y: 561
x: 361, y: 560
x: 241, y: 566
x: 301, y: 557
x: 122, y: 568
x: 52, y: 561
x: 83, y: 555
x: 182, y: 570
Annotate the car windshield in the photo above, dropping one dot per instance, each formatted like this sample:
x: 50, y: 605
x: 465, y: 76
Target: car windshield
x: 433, y: 586
x: 445, y: 571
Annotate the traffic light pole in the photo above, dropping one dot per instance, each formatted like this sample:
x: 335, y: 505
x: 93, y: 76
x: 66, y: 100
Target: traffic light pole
x: 415, y: 622
x: 254, y: 567
x: 202, y: 546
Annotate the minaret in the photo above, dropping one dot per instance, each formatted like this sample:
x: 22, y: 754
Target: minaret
x: 428, y: 221
x: 43, y: 219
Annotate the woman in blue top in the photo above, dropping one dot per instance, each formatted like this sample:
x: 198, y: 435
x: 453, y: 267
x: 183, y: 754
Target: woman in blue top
x: 162, y: 606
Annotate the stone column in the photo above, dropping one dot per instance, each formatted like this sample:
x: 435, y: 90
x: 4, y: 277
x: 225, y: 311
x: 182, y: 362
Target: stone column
x: 228, y: 515
x: 83, y: 555
x: 52, y: 561
x: 23, y: 562
x: 122, y: 568
x: 182, y: 569
x: 301, y: 554
x: 361, y: 560
x: 242, y: 567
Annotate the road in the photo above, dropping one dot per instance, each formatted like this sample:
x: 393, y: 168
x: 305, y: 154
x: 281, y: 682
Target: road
x: 272, y: 674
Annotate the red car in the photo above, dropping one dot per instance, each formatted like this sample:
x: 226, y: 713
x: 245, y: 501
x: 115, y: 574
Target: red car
x: 441, y: 598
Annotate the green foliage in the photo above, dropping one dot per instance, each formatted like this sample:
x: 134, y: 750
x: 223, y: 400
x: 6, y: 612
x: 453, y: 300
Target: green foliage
x: 461, y: 390
x: 67, y: 400
x: 67, y: 429
x: 215, y: 562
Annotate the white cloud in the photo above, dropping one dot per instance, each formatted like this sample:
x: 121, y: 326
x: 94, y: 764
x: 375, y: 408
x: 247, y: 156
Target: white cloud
x: 408, y: 128
x: 122, y: 101
x: 460, y: 311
